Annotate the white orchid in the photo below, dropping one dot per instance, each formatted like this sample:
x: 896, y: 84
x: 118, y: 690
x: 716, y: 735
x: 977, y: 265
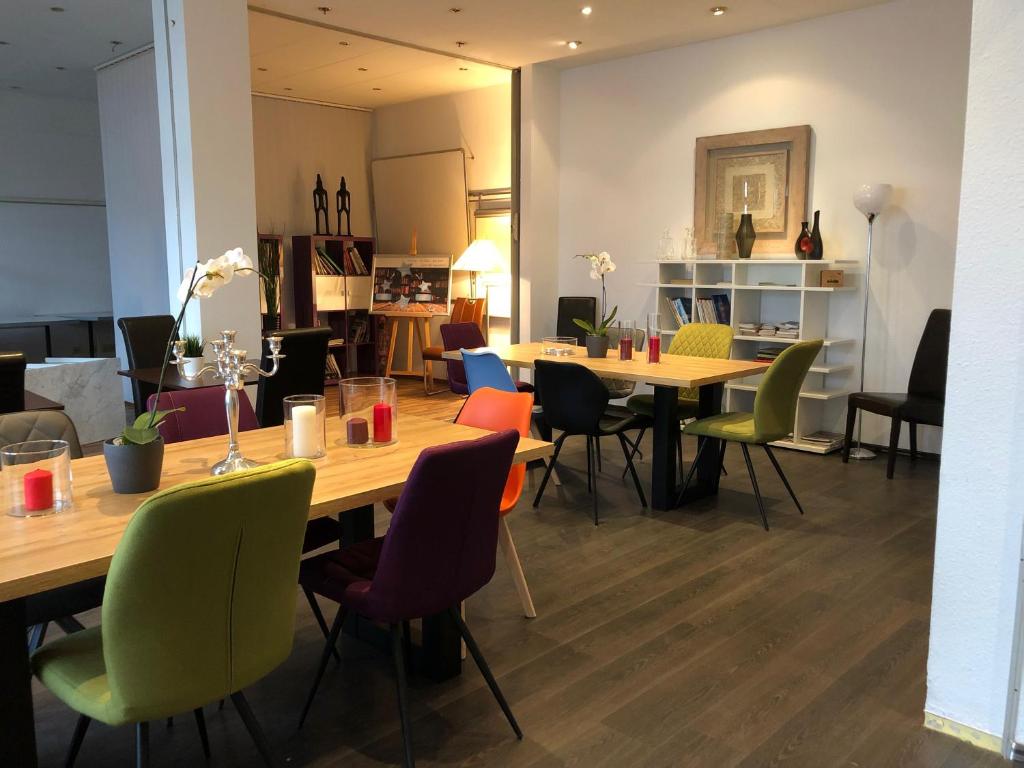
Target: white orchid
x: 205, y: 278
x: 600, y: 265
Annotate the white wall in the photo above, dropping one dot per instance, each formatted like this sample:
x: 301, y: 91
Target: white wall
x: 293, y: 142
x: 883, y: 88
x: 53, y: 258
x: 981, y: 500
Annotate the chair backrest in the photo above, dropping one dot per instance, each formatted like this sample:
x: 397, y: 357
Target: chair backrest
x: 777, y: 394
x: 200, y: 596
x: 12, y: 382
x: 440, y: 546
x: 574, y: 398
x: 40, y: 425
x: 145, y: 345
x: 928, y: 374
x: 466, y: 310
x: 496, y: 409
x: 485, y: 369
x: 459, y: 336
x: 701, y: 340
x: 301, y: 372
x: 204, y: 414
x: 572, y: 308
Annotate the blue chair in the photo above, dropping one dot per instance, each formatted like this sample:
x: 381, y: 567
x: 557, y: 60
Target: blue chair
x: 485, y: 369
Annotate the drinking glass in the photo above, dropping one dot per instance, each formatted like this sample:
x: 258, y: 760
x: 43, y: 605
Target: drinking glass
x: 653, y: 338
x: 558, y: 346
x: 625, y: 340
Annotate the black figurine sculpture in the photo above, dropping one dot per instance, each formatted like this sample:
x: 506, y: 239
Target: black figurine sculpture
x: 320, y: 204
x: 343, y: 198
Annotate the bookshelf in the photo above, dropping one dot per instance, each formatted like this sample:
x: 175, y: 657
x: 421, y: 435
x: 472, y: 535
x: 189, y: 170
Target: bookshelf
x: 331, y: 285
x: 774, y: 291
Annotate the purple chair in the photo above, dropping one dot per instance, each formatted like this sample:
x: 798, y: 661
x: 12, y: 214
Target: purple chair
x: 439, y: 550
x: 203, y: 416
x: 466, y: 336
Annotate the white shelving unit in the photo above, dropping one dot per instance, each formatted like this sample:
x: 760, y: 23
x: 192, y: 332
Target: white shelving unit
x: 771, y: 291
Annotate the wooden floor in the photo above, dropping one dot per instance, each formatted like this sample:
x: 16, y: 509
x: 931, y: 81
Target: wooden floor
x: 690, y: 638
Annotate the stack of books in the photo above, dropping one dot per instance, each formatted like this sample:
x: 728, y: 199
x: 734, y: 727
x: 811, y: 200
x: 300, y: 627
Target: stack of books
x: 768, y: 354
x: 713, y: 309
x: 354, y: 264
x: 749, y: 329
x: 788, y: 330
x: 324, y: 264
x: 767, y: 329
x: 829, y: 440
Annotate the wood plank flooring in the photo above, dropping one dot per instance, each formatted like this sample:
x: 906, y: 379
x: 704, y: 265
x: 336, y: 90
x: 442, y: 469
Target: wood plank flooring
x: 690, y: 638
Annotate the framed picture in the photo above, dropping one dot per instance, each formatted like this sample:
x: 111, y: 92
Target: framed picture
x: 411, y: 285
x: 763, y: 173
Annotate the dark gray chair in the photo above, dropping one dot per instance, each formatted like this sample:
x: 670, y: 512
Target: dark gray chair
x: 300, y: 373
x: 575, y: 308
x: 12, y: 382
x: 145, y: 344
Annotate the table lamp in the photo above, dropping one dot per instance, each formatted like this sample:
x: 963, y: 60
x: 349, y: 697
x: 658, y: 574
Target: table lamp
x: 480, y: 256
x: 870, y: 200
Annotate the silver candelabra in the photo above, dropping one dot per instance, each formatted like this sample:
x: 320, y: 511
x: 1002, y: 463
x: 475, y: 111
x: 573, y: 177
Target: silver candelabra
x: 231, y: 366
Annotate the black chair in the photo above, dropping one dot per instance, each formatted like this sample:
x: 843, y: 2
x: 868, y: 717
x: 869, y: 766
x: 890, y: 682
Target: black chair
x: 301, y: 372
x: 924, y: 400
x: 575, y: 401
x: 575, y: 307
x: 12, y: 382
x: 145, y: 344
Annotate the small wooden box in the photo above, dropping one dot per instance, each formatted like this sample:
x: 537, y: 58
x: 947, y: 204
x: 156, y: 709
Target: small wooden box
x: 831, y: 278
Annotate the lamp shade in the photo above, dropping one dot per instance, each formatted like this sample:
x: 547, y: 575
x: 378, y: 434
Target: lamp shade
x: 870, y: 199
x: 480, y: 256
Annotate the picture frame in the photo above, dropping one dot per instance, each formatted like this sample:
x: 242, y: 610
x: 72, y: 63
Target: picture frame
x: 767, y: 170
x: 411, y: 285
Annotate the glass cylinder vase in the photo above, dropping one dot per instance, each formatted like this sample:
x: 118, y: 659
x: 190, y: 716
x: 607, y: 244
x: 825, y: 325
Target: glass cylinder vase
x: 36, y: 477
x: 369, y: 411
x: 305, y: 426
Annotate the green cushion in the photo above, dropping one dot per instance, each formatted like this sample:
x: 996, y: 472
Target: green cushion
x: 73, y: 669
x: 643, y: 405
x: 738, y: 427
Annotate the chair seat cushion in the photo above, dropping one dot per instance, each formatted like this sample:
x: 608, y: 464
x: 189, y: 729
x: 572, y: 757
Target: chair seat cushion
x: 332, y: 573
x: 618, y: 419
x: 321, y: 532
x: 73, y: 668
x: 523, y: 386
x: 643, y: 405
x: 882, y: 403
x: 738, y: 427
x: 433, y: 353
x: 923, y: 410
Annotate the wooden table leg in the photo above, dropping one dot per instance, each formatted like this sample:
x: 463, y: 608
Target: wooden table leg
x: 705, y: 481
x: 663, y: 458
x: 17, y: 728
x: 391, y: 346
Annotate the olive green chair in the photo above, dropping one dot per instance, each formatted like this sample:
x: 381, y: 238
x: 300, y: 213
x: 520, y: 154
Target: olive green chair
x: 772, y: 419
x: 199, y: 604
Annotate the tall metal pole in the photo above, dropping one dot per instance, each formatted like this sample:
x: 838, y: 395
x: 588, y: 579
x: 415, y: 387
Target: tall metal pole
x: 860, y: 452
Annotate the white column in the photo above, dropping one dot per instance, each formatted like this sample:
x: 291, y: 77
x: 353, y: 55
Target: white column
x: 981, y: 494
x: 206, y: 147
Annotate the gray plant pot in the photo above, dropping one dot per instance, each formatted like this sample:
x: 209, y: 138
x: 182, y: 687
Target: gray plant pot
x: 597, y: 346
x: 134, y: 468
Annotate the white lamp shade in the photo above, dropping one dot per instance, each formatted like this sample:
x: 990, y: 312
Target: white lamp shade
x: 870, y: 199
x: 480, y: 256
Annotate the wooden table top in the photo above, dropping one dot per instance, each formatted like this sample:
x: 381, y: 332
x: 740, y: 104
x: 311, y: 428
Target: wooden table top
x: 672, y: 371
x: 173, y: 381
x: 41, y: 553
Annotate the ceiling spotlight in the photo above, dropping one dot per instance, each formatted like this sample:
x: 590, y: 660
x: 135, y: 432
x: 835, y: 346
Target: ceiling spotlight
x: 463, y: 69
x: 362, y: 69
x: 574, y: 44
x: 287, y: 88
x: 4, y: 42
x: 56, y: 9
x: 376, y: 88
x: 586, y: 10
x: 60, y: 69
x: 261, y: 69
x: 343, y: 42
x: 460, y: 43
x: 719, y: 10
x: 15, y: 87
x: 324, y: 9
x: 455, y: 10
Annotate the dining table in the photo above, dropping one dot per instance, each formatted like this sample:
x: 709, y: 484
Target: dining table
x: 39, y: 554
x: 174, y: 381
x: 667, y: 376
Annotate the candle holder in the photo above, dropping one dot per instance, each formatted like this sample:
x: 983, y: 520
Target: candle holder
x: 231, y: 366
x: 558, y: 346
x: 369, y: 411
x: 36, y: 477
x: 305, y: 426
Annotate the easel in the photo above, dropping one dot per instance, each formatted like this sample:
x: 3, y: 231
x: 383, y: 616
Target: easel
x: 418, y: 324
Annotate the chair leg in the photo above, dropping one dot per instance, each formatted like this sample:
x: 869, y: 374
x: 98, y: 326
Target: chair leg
x: 597, y: 453
x: 593, y: 447
x: 549, y: 470
x: 253, y: 727
x: 721, y: 458
x: 407, y: 646
x: 782, y: 475
x: 36, y: 636
x: 319, y: 616
x: 590, y: 465
x: 332, y: 640
x: 913, y: 439
x: 632, y: 470
x: 635, y: 450
x: 76, y: 740
x: 481, y: 663
x: 894, y: 444
x: 689, y: 475
x: 679, y: 452
x: 69, y: 625
x: 403, y: 694
x: 203, y: 736
x: 142, y: 745
x: 851, y: 422
x: 753, y: 481
x: 508, y: 548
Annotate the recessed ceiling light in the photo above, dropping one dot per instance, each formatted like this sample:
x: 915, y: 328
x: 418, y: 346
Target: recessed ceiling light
x: 455, y: 10
x: 324, y: 9
x: 60, y: 69
x: 15, y: 87
x: 56, y: 9
x: 343, y: 42
x: 261, y: 69
x: 4, y: 42
x: 361, y: 69
x: 574, y: 44
x: 460, y: 43
x: 287, y: 88
x: 376, y: 89
x: 586, y: 10
x: 463, y: 69
x: 719, y: 10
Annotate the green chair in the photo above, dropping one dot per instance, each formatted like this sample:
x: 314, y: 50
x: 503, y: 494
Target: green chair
x: 772, y: 419
x: 199, y: 603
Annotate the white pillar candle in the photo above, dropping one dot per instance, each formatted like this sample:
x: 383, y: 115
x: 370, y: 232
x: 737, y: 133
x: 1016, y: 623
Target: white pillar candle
x: 305, y: 442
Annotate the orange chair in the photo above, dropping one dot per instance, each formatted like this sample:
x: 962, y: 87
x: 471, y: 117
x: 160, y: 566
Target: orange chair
x: 463, y: 311
x: 495, y: 410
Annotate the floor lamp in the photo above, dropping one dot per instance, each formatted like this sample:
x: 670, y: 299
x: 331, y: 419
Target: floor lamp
x: 480, y: 256
x: 870, y: 199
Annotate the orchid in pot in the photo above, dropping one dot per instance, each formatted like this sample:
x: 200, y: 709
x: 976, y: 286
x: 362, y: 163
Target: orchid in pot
x: 597, y: 335
x: 135, y: 457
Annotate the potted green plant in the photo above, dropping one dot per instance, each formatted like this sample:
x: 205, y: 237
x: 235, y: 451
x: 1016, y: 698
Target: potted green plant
x: 194, y: 347
x: 597, y: 335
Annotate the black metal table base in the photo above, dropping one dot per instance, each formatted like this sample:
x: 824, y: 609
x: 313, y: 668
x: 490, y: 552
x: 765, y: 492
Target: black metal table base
x: 17, y: 727
x: 664, y: 483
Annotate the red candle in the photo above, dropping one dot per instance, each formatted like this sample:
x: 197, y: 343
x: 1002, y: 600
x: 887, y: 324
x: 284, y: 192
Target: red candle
x: 38, y: 490
x: 654, y: 348
x: 382, y: 423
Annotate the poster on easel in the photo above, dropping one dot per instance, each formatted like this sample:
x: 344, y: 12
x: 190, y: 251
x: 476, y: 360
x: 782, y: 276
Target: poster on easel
x: 411, y: 285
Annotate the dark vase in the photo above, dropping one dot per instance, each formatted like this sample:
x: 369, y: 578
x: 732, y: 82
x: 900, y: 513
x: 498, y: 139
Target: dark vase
x: 134, y: 468
x: 817, y: 248
x: 803, y: 245
x: 271, y: 322
x: 597, y: 346
x: 745, y: 236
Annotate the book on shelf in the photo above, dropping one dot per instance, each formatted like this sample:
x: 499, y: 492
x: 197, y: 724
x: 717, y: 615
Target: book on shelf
x: 323, y: 264
x: 713, y: 309
x: 331, y: 369
x: 829, y: 440
x: 359, y: 331
x: 356, y: 259
x: 678, y: 308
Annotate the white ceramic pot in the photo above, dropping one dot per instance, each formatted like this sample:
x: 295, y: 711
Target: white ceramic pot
x: 193, y: 365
